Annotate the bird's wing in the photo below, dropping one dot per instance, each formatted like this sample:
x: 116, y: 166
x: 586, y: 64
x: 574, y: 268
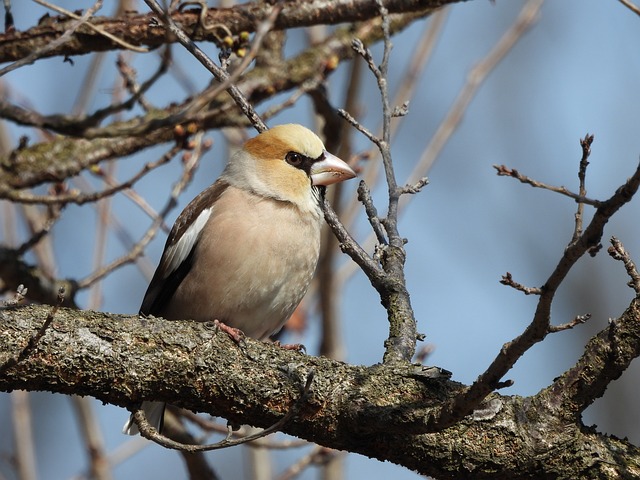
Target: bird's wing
x: 177, y: 257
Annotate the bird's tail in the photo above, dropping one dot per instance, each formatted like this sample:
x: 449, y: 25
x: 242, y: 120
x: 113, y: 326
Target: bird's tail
x: 154, y: 411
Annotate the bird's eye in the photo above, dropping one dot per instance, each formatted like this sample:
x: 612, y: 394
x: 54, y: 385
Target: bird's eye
x: 294, y: 159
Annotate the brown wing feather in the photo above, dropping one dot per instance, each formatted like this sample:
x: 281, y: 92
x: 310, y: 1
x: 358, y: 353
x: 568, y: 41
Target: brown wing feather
x: 164, y: 282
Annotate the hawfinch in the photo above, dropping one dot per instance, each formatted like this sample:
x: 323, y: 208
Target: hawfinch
x: 245, y: 249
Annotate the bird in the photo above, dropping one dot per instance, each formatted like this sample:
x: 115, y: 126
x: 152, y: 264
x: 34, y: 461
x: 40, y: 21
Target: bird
x: 243, y: 252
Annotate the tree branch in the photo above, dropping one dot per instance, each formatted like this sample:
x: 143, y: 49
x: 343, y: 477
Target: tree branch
x: 123, y: 359
x: 540, y: 325
x: 61, y: 158
x: 606, y: 356
x: 141, y: 29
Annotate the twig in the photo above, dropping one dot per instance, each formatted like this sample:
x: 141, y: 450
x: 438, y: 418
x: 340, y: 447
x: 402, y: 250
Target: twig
x: 606, y: 356
x: 43, y: 250
x: 317, y: 456
x: 453, y: 118
x: 504, y: 171
x: 78, y: 198
x: 138, y: 249
x: 364, y: 195
x: 527, y: 17
x: 578, y: 320
x: 349, y: 118
x: 78, y: 124
x: 103, y: 210
x: 618, y: 252
x: 540, y: 326
x: 65, y: 37
x: 95, y: 28
x: 404, y: 93
x: 508, y: 280
x: 128, y: 74
x: 221, y: 75
x: 407, y: 89
x: 305, y: 88
x: 147, y: 431
x: 585, y: 143
x: 401, y: 343
x: 131, y: 194
x: 414, y: 188
x: 9, y: 25
x: 630, y: 6
x: 54, y: 215
x: 215, y: 427
x: 349, y: 246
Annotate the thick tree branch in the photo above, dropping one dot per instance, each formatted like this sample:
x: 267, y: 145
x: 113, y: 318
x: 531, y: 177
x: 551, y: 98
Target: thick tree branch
x: 371, y: 410
x: 142, y: 29
x: 606, y: 356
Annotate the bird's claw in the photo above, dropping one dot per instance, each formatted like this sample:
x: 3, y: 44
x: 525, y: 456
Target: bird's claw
x: 297, y: 347
x: 235, y: 334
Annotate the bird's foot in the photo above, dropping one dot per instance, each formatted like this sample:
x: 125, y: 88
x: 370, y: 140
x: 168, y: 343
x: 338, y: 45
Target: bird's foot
x: 235, y: 334
x: 298, y: 347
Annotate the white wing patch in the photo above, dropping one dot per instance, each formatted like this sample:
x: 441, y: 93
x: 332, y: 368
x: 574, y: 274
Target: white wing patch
x: 179, y: 251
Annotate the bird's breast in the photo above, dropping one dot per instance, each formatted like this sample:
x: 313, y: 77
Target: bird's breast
x: 252, y: 265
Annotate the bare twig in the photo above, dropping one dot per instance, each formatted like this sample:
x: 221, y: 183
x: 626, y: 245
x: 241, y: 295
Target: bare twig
x: 606, y: 356
x: 349, y: 118
x: 46, y: 259
x: 305, y: 88
x: 220, y: 74
x: 215, y: 427
x: 78, y: 198
x: 631, y: 6
x: 540, y: 326
x: 138, y: 249
x: 317, y: 456
x: 364, y: 195
x: 65, y: 37
x: 508, y: 280
x: 401, y: 344
x: 578, y: 320
x: 504, y: 171
x: 77, y: 124
x: 476, y: 77
x: 95, y: 28
x: 147, y: 431
x: 9, y: 26
x: 349, y: 246
x: 618, y: 252
x: 585, y: 143
x: 54, y: 215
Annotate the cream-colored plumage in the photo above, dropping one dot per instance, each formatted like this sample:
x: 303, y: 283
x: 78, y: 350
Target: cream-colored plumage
x: 245, y: 249
x: 271, y: 250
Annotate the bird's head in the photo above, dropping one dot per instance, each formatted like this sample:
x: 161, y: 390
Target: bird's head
x: 285, y: 162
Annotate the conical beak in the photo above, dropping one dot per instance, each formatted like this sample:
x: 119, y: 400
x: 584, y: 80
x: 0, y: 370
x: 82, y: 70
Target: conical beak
x: 330, y: 170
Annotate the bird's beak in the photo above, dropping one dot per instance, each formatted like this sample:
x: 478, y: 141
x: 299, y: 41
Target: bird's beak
x: 330, y: 170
